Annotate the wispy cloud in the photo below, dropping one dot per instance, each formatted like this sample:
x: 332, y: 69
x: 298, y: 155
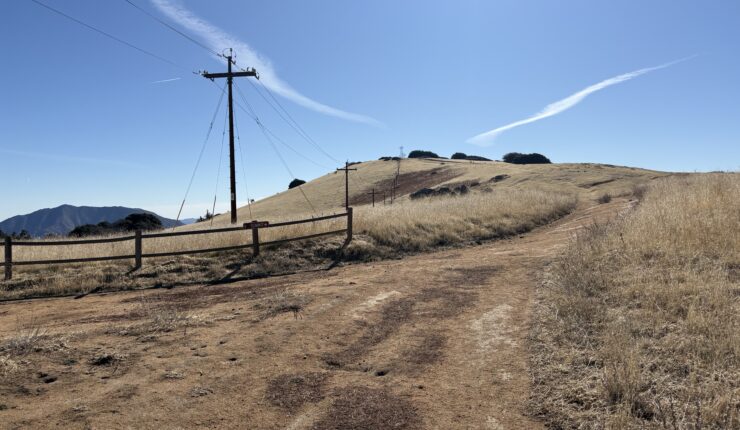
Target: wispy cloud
x: 552, y: 109
x: 218, y: 40
x: 165, y: 80
x: 68, y: 158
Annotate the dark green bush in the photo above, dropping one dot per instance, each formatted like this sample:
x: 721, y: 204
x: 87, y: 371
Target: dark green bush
x: 296, y: 183
x: 132, y: 222
x: 463, y: 156
x: 519, y: 158
x: 418, y: 153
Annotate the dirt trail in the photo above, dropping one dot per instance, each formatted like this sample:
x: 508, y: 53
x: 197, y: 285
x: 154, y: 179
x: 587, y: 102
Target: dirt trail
x: 430, y: 341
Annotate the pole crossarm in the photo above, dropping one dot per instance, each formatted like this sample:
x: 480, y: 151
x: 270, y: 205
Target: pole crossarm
x: 212, y: 76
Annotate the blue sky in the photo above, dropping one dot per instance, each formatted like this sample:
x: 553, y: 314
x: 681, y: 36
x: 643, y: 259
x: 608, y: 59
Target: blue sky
x: 83, y: 123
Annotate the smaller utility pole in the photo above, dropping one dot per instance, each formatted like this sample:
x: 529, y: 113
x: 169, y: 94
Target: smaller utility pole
x: 346, y: 170
x: 393, y: 192
x: 398, y: 174
x: 372, y: 193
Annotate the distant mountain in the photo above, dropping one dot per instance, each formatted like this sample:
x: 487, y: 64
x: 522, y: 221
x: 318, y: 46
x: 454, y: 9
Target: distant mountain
x: 63, y: 219
x: 187, y: 221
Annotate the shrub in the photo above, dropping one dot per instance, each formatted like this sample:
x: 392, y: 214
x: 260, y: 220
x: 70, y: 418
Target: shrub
x: 424, y: 192
x: 417, y: 153
x: 519, y: 158
x: 205, y: 217
x: 604, y: 198
x: 296, y: 183
x: 463, y: 156
x: 132, y: 222
x: 23, y: 235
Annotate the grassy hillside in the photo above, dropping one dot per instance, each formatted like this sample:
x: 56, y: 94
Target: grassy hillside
x: 326, y: 193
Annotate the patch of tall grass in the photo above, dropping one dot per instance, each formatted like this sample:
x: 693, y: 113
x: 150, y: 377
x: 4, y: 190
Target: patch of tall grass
x: 422, y: 224
x: 639, y: 323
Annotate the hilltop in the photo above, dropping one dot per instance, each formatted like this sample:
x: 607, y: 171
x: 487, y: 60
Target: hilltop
x: 326, y: 193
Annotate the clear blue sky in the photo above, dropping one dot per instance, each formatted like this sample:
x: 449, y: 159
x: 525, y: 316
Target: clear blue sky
x: 82, y: 122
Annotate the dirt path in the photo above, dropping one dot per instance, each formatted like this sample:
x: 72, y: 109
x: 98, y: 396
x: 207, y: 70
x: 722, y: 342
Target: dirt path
x: 431, y: 341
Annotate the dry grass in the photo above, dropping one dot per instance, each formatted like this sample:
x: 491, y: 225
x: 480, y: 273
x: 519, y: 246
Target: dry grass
x: 422, y: 224
x: 292, y: 391
x: 640, y: 324
x: 17, y: 350
x: 355, y: 408
x: 408, y: 226
x: 157, y: 318
x: 281, y: 303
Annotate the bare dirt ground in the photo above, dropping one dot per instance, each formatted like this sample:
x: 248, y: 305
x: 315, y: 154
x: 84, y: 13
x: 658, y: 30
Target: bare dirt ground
x: 436, y: 340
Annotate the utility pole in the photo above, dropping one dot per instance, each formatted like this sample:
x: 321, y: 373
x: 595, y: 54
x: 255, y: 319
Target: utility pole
x: 346, y: 170
x: 393, y: 192
x: 373, y: 194
x: 398, y: 173
x: 229, y: 75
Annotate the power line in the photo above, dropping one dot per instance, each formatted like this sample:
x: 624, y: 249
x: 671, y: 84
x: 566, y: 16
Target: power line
x: 252, y: 114
x: 117, y: 39
x: 218, y: 174
x: 167, y: 25
x: 200, y: 156
x: 291, y: 121
x: 282, y: 160
x: 265, y: 131
x: 244, y: 170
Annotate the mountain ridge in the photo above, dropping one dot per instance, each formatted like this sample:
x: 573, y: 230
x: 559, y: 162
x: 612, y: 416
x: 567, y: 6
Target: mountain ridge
x: 62, y: 219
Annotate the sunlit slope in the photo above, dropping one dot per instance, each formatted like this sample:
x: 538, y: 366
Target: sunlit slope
x: 326, y: 193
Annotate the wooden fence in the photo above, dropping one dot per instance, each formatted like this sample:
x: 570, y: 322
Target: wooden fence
x: 138, y: 238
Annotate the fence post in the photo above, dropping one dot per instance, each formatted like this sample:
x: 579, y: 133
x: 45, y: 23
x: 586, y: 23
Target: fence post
x: 137, y: 250
x: 8, y: 258
x: 255, y: 238
x: 349, y: 226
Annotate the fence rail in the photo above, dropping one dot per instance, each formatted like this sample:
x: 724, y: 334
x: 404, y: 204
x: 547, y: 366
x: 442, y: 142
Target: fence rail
x: 139, y: 236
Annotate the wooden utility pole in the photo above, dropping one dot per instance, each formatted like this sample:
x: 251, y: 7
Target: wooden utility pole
x: 346, y: 170
x: 229, y: 75
x: 398, y: 173
x: 372, y: 193
x: 393, y: 192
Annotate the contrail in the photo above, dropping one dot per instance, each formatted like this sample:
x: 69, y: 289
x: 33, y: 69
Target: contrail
x: 165, y: 80
x: 488, y: 137
x: 219, y: 40
x: 69, y: 158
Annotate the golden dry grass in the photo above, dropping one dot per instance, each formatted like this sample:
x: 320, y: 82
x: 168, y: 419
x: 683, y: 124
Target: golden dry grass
x: 639, y: 326
x: 407, y: 226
